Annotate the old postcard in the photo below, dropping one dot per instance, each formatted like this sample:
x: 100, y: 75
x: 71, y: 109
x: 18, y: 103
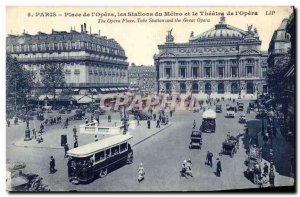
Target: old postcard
x: 130, y: 99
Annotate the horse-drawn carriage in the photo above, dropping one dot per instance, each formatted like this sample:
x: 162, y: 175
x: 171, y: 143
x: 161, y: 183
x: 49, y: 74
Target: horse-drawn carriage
x: 230, y: 145
x: 196, y: 139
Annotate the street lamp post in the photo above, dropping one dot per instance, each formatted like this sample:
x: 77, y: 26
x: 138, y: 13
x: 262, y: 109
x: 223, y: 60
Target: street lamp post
x: 125, y: 120
x: 27, y: 130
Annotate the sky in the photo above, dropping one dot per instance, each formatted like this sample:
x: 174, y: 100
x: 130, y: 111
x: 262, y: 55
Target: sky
x: 140, y: 40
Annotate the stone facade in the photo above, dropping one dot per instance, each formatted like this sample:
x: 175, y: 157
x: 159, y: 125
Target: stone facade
x: 222, y: 60
x: 90, y: 60
x: 142, y: 78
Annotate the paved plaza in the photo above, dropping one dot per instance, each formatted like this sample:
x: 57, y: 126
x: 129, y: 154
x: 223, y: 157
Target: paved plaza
x: 161, y: 150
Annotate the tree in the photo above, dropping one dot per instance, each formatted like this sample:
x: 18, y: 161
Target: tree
x: 53, y: 77
x: 19, y: 82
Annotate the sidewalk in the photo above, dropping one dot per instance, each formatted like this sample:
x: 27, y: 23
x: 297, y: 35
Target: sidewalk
x: 52, y: 137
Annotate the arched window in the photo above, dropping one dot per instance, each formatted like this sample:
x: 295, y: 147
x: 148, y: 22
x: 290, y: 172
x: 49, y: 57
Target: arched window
x: 234, y: 88
x: 182, y: 88
x: 249, y: 88
x: 168, y: 87
x: 207, y: 88
x: 195, y: 88
x: 221, y: 89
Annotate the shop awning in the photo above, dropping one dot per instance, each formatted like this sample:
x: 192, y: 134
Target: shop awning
x: 94, y: 90
x: 76, y: 90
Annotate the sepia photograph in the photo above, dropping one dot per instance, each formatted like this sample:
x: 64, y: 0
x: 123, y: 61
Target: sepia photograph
x: 150, y: 99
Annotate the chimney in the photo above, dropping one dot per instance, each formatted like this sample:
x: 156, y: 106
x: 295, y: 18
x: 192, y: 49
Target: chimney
x: 90, y: 29
x: 74, y: 28
x: 84, y: 27
x: 71, y: 28
x: 81, y: 28
x: 99, y: 32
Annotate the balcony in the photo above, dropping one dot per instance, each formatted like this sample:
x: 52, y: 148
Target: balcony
x: 68, y: 58
x: 77, y: 71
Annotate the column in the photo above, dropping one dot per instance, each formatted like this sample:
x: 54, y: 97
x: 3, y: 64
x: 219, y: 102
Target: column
x: 176, y: 70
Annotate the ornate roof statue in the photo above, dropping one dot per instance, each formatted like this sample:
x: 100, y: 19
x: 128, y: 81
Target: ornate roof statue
x: 170, y: 37
x: 192, y: 34
x: 249, y: 28
x: 222, y: 19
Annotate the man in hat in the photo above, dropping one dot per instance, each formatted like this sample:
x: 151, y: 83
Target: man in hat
x: 219, y: 168
x: 148, y: 123
x: 52, y: 165
x: 75, y: 143
x: 157, y: 124
x: 66, y: 147
x: 75, y: 131
x: 266, y: 168
x: 272, y: 177
x: 194, y: 124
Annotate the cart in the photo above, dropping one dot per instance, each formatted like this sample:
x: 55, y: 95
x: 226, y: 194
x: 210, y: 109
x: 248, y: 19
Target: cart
x: 242, y: 118
x: 196, y: 139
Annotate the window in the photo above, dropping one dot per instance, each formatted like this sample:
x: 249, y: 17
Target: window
x: 264, y: 71
x: 234, y: 72
x: 207, y: 72
x: 107, y: 153
x: 195, y: 72
x: 168, y: 72
x: 115, y: 150
x: 221, y: 72
x: 123, y: 147
x: 182, y: 72
x: 249, y: 71
x: 99, y: 156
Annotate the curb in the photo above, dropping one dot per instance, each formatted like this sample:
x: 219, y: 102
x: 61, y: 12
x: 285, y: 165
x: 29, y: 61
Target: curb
x: 152, y: 135
x: 25, y: 146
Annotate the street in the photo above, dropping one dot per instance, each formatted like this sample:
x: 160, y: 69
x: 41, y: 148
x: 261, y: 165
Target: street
x: 162, y: 153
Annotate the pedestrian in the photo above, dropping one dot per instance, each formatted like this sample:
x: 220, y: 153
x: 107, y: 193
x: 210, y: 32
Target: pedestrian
x: 16, y: 120
x: 42, y: 127
x: 109, y: 118
x: 52, y: 165
x: 138, y: 121
x: 272, y: 177
x: 194, y: 124
x: 75, y: 143
x: 171, y: 112
x: 66, y: 147
x: 256, y: 173
x: 189, y: 168
x: 96, y: 138
x: 75, y: 131
x: 159, y: 117
x: 157, y: 124
x: 67, y: 121
x: 8, y: 122
x: 154, y: 116
x: 209, y: 157
x: 266, y: 169
x: 34, y: 133
x: 219, y: 168
x: 148, y: 123
x: 183, y: 172
x: 167, y: 119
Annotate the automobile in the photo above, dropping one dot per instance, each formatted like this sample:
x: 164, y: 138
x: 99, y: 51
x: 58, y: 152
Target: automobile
x: 251, y: 105
x: 219, y: 108
x: 242, y: 118
x: 79, y: 114
x: 196, y: 139
x: 240, y: 106
x: 208, y: 121
x: 141, y: 115
x: 230, y: 112
x: 98, y: 158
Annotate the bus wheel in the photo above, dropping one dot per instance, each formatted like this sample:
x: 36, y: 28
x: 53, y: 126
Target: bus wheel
x: 103, y: 173
x: 129, y: 158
